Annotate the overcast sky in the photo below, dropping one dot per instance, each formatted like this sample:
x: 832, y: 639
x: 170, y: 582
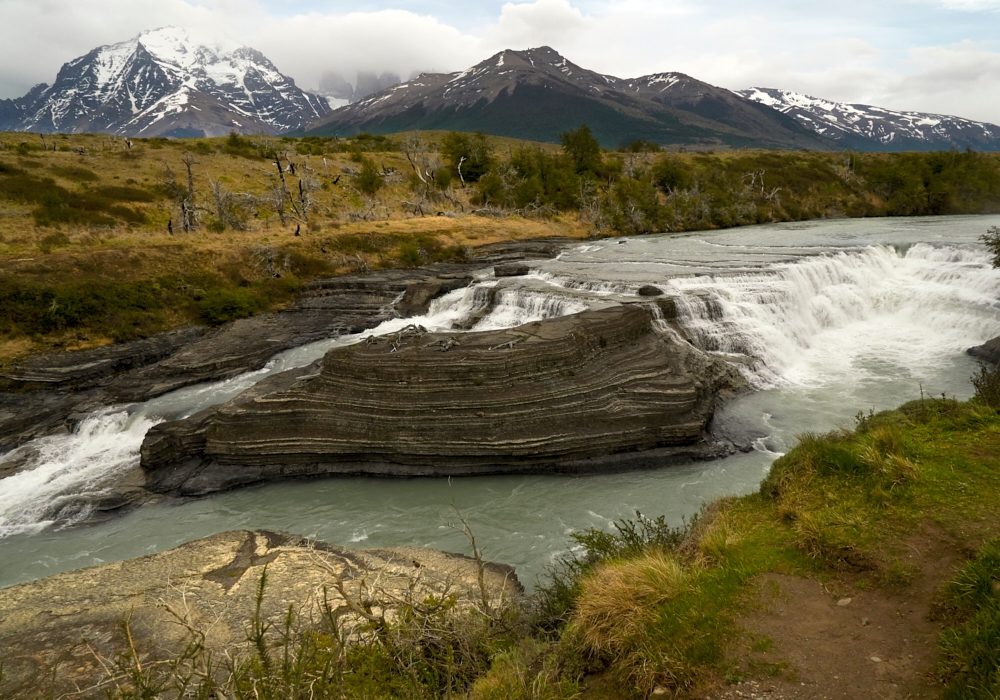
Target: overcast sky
x: 928, y: 55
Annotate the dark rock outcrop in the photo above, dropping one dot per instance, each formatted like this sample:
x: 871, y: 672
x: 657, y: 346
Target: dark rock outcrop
x: 649, y: 290
x: 41, y: 395
x: 988, y: 351
x: 511, y: 270
x: 597, y: 391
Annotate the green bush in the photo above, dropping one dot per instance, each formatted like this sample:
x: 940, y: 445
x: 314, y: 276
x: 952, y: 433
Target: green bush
x: 469, y: 156
x: 220, y: 306
x: 582, y: 148
x: 369, y: 180
x: 118, y: 310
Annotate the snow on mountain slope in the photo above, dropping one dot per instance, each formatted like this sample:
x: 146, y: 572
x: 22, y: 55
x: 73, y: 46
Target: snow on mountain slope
x: 166, y: 81
x: 537, y: 94
x: 875, y: 128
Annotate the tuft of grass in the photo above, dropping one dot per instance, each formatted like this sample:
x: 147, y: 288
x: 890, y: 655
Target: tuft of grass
x: 971, y: 648
x: 619, y: 601
x: 527, y: 672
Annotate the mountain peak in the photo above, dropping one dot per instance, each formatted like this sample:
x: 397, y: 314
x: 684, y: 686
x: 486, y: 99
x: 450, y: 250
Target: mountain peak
x: 180, y: 41
x: 538, y: 94
x: 169, y: 80
x: 864, y: 126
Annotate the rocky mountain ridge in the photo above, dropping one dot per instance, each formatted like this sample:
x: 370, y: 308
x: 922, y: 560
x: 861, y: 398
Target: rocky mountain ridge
x: 537, y: 94
x: 868, y: 128
x: 166, y: 82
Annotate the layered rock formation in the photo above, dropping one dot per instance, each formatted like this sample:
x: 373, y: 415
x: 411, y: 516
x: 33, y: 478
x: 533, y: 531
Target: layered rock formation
x: 72, y: 621
x: 46, y: 394
x: 595, y: 391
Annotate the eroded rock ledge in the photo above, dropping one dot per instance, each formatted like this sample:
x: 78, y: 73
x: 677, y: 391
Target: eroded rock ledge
x: 596, y: 391
x: 72, y: 621
x: 46, y: 394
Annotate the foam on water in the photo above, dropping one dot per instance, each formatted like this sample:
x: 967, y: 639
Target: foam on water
x: 59, y: 475
x: 819, y: 320
x: 835, y: 317
x: 69, y: 472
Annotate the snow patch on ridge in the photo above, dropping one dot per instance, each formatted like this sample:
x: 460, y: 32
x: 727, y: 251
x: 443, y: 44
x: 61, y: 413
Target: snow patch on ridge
x: 885, y: 126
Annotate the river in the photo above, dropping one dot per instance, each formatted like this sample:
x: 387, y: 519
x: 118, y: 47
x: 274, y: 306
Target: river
x: 831, y: 318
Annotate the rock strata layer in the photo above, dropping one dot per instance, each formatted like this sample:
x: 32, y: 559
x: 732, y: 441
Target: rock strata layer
x: 72, y: 621
x: 596, y: 391
x: 45, y: 394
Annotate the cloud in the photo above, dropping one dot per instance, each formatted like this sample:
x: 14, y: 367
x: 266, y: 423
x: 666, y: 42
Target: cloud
x: 306, y: 46
x: 942, y: 58
x: 545, y: 22
x: 969, y: 5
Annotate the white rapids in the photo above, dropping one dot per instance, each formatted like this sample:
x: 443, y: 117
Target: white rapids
x: 829, y: 317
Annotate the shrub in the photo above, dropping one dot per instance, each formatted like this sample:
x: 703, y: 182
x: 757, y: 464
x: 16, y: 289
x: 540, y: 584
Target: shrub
x: 987, y: 385
x: 221, y: 306
x: 468, y: 155
x: 582, y: 148
x: 369, y: 180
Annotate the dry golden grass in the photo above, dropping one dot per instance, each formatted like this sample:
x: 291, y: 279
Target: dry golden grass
x: 346, y: 230
x: 619, y: 600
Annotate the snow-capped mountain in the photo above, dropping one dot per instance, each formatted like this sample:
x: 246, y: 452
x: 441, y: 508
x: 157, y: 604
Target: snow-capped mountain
x: 874, y: 128
x: 538, y: 94
x: 168, y: 81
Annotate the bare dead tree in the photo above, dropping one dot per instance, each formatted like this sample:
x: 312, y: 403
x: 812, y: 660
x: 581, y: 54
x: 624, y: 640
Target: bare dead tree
x: 233, y: 209
x: 278, y: 200
x: 416, y: 153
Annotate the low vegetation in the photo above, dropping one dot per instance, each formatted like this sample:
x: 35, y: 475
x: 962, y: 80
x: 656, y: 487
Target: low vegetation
x: 157, y: 232
x: 651, y: 609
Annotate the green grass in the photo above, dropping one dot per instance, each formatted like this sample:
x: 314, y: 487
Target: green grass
x: 971, y: 647
x: 836, y: 505
x: 649, y: 608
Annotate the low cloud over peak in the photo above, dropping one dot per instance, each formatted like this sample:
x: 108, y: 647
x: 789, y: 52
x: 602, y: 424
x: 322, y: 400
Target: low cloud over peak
x: 930, y: 55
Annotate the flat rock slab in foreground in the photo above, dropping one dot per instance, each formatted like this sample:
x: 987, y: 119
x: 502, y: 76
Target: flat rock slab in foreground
x: 595, y: 391
x: 71, y: 619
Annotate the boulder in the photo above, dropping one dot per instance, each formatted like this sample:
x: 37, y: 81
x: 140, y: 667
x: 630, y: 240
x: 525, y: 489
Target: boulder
x: 987, y: 352
x: 511, y: 270
x: 648, y: 290
x: 596, y: 391
x: 73, y: 621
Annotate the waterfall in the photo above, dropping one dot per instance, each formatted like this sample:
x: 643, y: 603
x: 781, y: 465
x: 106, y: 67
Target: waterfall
x: 69, y: 472
x: 805, y: 321
x: 515, y: 307
x: 828, y: 318
x: 58, y: 476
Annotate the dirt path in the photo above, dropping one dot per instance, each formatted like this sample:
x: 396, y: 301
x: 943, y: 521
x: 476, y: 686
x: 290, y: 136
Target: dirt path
x: 840, y: 641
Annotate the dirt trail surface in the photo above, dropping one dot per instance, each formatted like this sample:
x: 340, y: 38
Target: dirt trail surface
x: 833, y: 640
x: 74, y: 620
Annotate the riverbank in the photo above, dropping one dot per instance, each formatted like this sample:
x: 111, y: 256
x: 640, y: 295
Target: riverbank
x: 103, y: 243
x: 806, y: 310
x: 862, y: 568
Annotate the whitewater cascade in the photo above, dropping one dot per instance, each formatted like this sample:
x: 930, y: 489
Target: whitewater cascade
x: 809, y: 322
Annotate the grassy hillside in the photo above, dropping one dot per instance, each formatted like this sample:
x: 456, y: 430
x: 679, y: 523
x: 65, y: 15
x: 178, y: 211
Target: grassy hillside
x: 103, y: 240
x: 86, y: 256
